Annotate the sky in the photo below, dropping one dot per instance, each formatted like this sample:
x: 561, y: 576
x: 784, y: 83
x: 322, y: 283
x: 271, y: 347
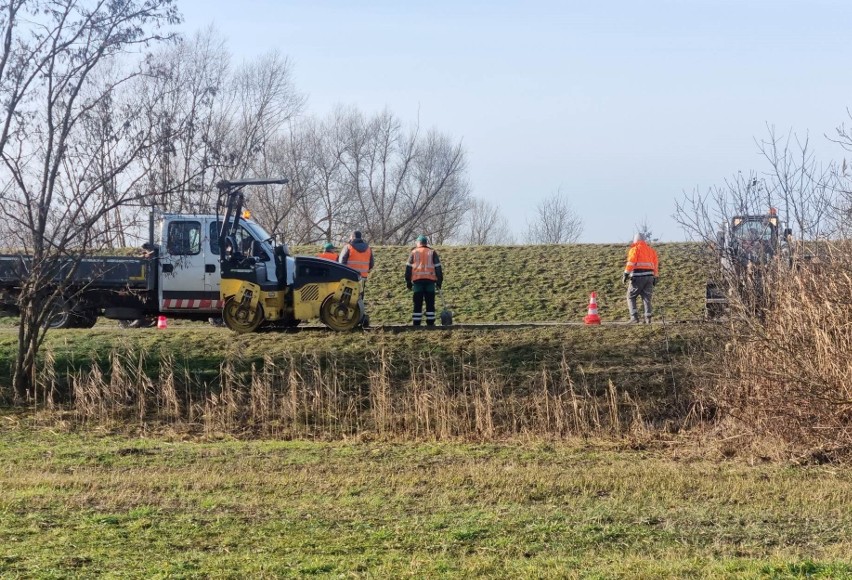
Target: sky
x: 622, y: 106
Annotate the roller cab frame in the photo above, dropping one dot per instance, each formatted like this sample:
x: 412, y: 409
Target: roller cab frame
x: 264, y: 287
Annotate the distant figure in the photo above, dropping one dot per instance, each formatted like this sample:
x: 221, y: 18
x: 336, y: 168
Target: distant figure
x: 328, y: 252
x: 423, y: 274
x: 358, y: 255
x: 641, y: 270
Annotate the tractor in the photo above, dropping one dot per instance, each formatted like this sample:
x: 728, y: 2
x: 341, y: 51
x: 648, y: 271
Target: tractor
x: 263, y: 286
x: 749, y: 249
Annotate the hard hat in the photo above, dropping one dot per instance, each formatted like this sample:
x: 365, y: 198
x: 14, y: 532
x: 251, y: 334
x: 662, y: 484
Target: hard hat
x: 421, y: 239
x: 328, y: 246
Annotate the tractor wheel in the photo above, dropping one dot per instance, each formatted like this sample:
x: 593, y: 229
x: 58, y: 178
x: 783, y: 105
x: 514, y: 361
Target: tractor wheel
x: 241, y: 320
x: 338, y: 317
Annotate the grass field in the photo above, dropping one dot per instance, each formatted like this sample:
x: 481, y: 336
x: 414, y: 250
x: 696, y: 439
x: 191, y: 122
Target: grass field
x: 84, y: 505
x: 470, y: 463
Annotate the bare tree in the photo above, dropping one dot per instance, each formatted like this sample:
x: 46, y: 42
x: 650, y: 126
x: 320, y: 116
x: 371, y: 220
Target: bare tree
x: 485, y: 224
x: 214, y: 122
x: 803, y: 188
x: 555, y: 222
x: 54, y: 102
x: 804, y: 192
x: 399, y: 183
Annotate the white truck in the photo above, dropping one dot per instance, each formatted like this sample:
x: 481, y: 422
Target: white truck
x: 178, y: 277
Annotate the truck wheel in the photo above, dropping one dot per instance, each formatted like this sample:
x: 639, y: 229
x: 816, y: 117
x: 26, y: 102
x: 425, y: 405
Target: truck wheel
x: 60, y: 316
x: 340, y: 317
x: 239, y: 319
x: 85, y: 318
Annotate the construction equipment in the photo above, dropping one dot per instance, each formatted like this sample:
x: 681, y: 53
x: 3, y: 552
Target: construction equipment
x: 446, y: 313
x: 262, y: 285
x: 749, y: 249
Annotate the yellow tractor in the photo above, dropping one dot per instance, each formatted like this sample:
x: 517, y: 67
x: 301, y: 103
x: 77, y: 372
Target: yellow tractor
x: 263, y: 286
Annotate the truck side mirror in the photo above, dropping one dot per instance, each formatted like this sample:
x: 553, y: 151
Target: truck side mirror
x: 720, y: 241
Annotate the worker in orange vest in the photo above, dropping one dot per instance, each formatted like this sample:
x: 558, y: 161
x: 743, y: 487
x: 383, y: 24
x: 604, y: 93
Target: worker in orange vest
x: 358, y: 255
x: 642, y: 270
x: 423, y: 274
x: 328, y: 252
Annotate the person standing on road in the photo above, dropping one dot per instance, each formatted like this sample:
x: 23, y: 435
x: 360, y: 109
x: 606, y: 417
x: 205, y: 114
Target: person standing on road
x: 328, y: 252
x: 641, y: 271
x: 423, y: 274
x: 358, y: 255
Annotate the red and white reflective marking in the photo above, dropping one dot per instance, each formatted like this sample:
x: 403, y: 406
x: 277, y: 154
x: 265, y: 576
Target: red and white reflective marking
x: 184, y: 303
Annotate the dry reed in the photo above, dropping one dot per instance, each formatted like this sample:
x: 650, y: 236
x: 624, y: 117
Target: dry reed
x: 314, y: 395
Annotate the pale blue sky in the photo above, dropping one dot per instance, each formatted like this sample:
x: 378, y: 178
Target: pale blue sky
x: 622, y: 105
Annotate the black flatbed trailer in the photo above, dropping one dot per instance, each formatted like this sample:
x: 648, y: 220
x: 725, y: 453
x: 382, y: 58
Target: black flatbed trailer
x: 90, y: 285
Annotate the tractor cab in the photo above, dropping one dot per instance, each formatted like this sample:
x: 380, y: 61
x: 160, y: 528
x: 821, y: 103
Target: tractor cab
x: 752, y: 240
x: 747, y: 247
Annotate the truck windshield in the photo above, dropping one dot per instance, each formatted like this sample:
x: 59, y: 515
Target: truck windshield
x: 250, y: 239
x: 257, y: 231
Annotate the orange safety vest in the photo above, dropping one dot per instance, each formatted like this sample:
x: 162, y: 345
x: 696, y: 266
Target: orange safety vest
x: 359, y: 260
x: 641, y: 256
x: 422, y: 264
x: 328, y: 255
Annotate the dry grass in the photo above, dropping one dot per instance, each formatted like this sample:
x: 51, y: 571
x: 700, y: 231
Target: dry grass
x: 786, y: 380
x: 420, y: 396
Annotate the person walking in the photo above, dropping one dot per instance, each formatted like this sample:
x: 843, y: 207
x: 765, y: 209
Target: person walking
x: 423, y: 274
x: 641, y: 270
x: 328, y: 252
x: 357, y: 254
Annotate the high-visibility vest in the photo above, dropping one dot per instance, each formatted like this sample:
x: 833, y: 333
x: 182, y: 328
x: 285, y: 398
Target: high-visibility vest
x: 359, y: 260
x: 641, y: 256
x: 422, y: 264
x: 328, y: 255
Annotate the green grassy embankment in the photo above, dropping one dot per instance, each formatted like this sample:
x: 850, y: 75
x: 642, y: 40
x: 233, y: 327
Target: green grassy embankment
x: 81, y: 506
x: 536, y: 283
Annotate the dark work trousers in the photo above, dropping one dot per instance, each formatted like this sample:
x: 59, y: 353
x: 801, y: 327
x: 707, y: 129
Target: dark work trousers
x: 640, y: 286
x: 418, y: 308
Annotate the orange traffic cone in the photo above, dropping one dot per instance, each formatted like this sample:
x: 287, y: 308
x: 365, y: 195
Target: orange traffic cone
x: 592, y: 317
x: 162, y: 323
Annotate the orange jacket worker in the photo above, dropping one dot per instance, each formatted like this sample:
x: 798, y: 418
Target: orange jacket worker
x: 641, y: 269
x: 357, y: 254
x: 423, y: 274
x: 328, y: 252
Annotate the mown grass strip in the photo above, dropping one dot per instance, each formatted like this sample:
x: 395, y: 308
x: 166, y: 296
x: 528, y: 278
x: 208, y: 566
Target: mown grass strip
x: 83, y: 505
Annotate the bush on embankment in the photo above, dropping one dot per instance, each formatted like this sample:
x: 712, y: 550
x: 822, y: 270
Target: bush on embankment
x: 784, y: 383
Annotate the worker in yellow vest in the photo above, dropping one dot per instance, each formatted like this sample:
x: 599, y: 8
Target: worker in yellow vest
x: 423, y: 274
x: 328, y: 252
x: 357, y: 254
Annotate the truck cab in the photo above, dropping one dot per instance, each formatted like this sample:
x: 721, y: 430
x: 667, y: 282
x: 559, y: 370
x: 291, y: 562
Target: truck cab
x: 189, y: 269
